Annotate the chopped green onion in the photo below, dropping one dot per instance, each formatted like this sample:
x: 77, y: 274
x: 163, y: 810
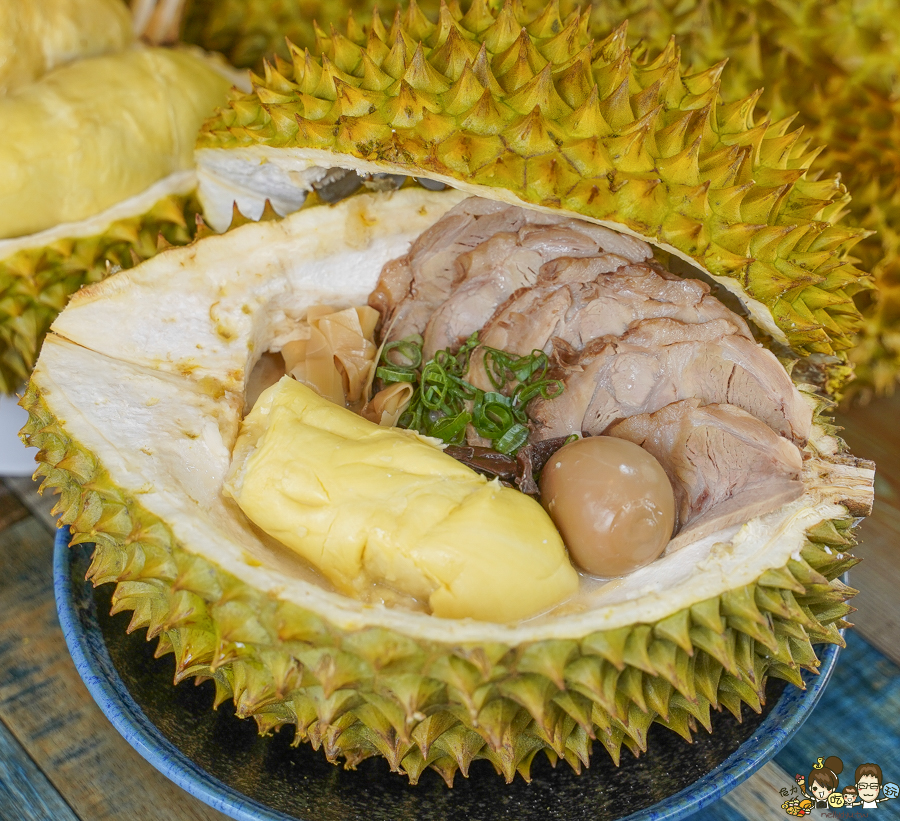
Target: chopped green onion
x: 439, y: 404
x: 512, y: 440
x: 451, y: 429
x: 410, y: 348
x: 390, y: 374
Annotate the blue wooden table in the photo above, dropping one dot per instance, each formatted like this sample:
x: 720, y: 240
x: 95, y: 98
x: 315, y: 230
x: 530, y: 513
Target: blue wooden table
x: 60, y: 759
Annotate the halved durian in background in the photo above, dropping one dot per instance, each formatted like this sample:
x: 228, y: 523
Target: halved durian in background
x: 135, y: 421
x: 96, y: 159
x: 549, y: 118
x: 836, y: 65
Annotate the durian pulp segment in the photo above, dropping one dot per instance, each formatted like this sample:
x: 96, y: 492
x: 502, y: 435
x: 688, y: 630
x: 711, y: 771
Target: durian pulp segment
x: 233, y: 304
x: 39, y: 272
x: 38, y: 35
x: 99, y: 131
x: 138, y: 449
x: 178, y: 183
x: 531, y: 107
x: 370, y: 506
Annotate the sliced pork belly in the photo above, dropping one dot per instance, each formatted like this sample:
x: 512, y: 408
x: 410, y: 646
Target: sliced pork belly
x: 469, y: 263
x: 578, y: 300
x: 661, y: 361
x: 488, y: 275
x: 412, y: 287
x: 724, y: 464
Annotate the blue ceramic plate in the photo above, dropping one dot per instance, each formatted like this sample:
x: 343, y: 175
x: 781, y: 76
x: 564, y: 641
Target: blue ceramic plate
x: 221, y: 760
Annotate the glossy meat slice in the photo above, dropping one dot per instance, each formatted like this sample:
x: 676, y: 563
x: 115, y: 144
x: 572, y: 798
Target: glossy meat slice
x: 578, y: 300
x: 412, y: 287
x: 472, y: 260
x: 488, y: 275
x: 726, y: 466
x: 661, y: 361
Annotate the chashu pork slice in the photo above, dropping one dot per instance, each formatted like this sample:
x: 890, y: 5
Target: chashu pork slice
x: 661, y: 361
x: 459, y: 272
x: 726, y: 467
x: 579, y: 300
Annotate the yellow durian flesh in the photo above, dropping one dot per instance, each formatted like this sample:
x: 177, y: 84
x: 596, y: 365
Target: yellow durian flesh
x: 38, y: 35
x: 99, y: 131
x: 371, y: 505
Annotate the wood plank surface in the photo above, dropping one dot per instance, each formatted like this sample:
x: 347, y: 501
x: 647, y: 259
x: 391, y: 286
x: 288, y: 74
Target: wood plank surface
x: 25, y: 792
x: 758, y: 797
x: 46, y: 707
x: 857, y: 719
x: 873, y: 432
x: 25, y: 489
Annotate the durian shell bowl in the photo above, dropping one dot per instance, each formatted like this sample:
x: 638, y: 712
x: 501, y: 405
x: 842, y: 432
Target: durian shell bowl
x: 138, y: 450
x: 700, y: 629
x: 270, y: 780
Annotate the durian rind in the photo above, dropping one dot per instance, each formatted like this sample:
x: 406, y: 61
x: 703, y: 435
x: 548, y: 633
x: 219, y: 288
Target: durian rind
x: 39, y: 273
x: 247, y: 31
x: 363, y: 680
x: 532, y: 110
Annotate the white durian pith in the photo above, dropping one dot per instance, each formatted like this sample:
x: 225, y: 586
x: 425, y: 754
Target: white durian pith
x: 164, y: 401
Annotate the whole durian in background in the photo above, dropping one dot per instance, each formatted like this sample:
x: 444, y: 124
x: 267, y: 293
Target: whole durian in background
x: 836, y: 64
x: 540, y: 116
x: 250, y: 31
x: 96, y: 162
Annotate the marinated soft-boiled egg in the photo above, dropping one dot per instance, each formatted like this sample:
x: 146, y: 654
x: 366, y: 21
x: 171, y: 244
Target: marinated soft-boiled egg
x: 611, y: 501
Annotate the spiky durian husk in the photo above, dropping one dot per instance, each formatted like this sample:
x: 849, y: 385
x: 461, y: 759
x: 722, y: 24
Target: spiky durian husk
x: 36, y: 283
x: 424, y: 704
x: 557, y: 121
x: 835, y: 64
x: 248, y: 32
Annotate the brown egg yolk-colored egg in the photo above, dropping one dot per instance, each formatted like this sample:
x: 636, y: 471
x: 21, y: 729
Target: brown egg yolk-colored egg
x: 611, y: 501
